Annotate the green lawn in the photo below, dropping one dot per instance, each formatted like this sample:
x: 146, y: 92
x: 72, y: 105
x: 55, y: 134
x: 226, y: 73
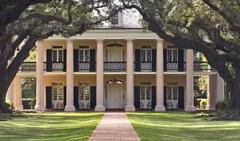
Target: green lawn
x: 49, y: 126
x: 180, y: 126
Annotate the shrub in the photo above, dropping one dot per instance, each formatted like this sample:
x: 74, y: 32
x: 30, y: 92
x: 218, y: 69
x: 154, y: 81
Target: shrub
x: 203, y: 103
x: 222, y: 105
x: 9, y: 104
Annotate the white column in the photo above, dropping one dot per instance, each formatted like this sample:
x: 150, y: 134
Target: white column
x: 159, y: 77
x: 69, y: 96
x: 39, y: 77
x: 220, y: 88
x: 130, y: 76
x: 209, y: 95
x: 99, y: 77
x: 17, y: 102
x: 9, y: 96
x: 189, y: 82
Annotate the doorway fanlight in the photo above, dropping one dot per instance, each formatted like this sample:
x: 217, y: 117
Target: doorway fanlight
x: 116, y: 81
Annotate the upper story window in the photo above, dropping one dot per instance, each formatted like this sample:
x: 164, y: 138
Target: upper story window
x: 57, y: 54
x: 146, y: 54
x: 172, y: 55
x: 114, y: 19
x: 84, y: 54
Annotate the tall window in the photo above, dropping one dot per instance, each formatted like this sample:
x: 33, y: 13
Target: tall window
x: 172, y: 55
x: 84, y: 54
x: 57, y: 54
x: 172, y: 96
x: 146, y: 54
x: 84, y: 96
x: 57, y: 95
x: 145, y: 95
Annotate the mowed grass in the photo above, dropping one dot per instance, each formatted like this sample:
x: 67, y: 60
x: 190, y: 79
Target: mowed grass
x: 181, y: 126
x: 59, y: 126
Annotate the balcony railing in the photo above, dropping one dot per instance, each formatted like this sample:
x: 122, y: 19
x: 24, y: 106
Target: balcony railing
x: 202, y: 67
x: 146, y: 66
x: 86, y: 66
x: 28, y: 67
x: 115, y: 66
x: 172, y: 66
x: 57, y: 66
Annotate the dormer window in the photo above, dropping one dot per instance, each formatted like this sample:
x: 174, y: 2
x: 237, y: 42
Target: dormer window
x: 114, y: 19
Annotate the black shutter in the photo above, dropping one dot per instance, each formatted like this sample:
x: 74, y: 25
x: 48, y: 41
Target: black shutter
x: 165, y: 97
x: 65, y: 95
x: 180, y: 59
x: 92, y: 60
x: 181, y: 97
x: 49, y: 97
x: 137, y: 60
x: 165, y: 59
x: 76, y: 97
x: 64, y: 60
x: 92, y: 97
x: 75, y: 55
x: 153, y: 97
x: 137, y: 97
x: 154, y: 60
x: 49, y: 60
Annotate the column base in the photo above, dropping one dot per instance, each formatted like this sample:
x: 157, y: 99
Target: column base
x: 210, y: 107
x: 20, y: 108
x: 69, y: 108
x: 190, y: 109
x: 160, y: 109
x: 100, y: 109
x: 130, y: 109
x: 39, y: 108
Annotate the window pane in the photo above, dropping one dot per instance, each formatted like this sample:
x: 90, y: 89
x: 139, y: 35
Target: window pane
x: 149, y: 55
x: 143, y: 56
x: 168, y: 93
x: 175, y: 55
x: 175, y: 93
x: 87, y: 55
x: 54, y: 56
x: 60, y: 55
x: 81, y: 56
x: 169, y: 55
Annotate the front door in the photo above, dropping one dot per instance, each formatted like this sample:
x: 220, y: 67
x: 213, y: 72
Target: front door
x: 172, y: 97
x: 114, y: 96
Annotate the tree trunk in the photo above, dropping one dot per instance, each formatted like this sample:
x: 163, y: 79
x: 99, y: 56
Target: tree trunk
x: 4, y: 84
x: 235, y: 94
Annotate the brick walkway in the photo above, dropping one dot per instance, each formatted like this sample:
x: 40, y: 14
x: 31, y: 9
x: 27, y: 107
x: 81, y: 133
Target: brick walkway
x: 114, y: 126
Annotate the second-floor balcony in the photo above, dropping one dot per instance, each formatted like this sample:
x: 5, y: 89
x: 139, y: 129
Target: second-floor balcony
x: 85, y: 67
x: 145, y: 66
x: 28, y: 67
x: 198, y: 66
x: 175, y: 66
x: 115, y: 66
x: 54, y: 66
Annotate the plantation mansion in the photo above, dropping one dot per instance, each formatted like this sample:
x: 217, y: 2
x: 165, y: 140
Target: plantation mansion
x: 114, y: 68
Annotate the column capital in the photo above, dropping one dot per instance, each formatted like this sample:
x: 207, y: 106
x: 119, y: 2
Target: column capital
x: 159, y: 40
x: 39, y: 42
x: 99, y: 40
x: 69, y: 40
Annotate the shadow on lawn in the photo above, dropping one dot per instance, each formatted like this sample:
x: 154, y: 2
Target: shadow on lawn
x: 49, y: 126
x: 181, y: 126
